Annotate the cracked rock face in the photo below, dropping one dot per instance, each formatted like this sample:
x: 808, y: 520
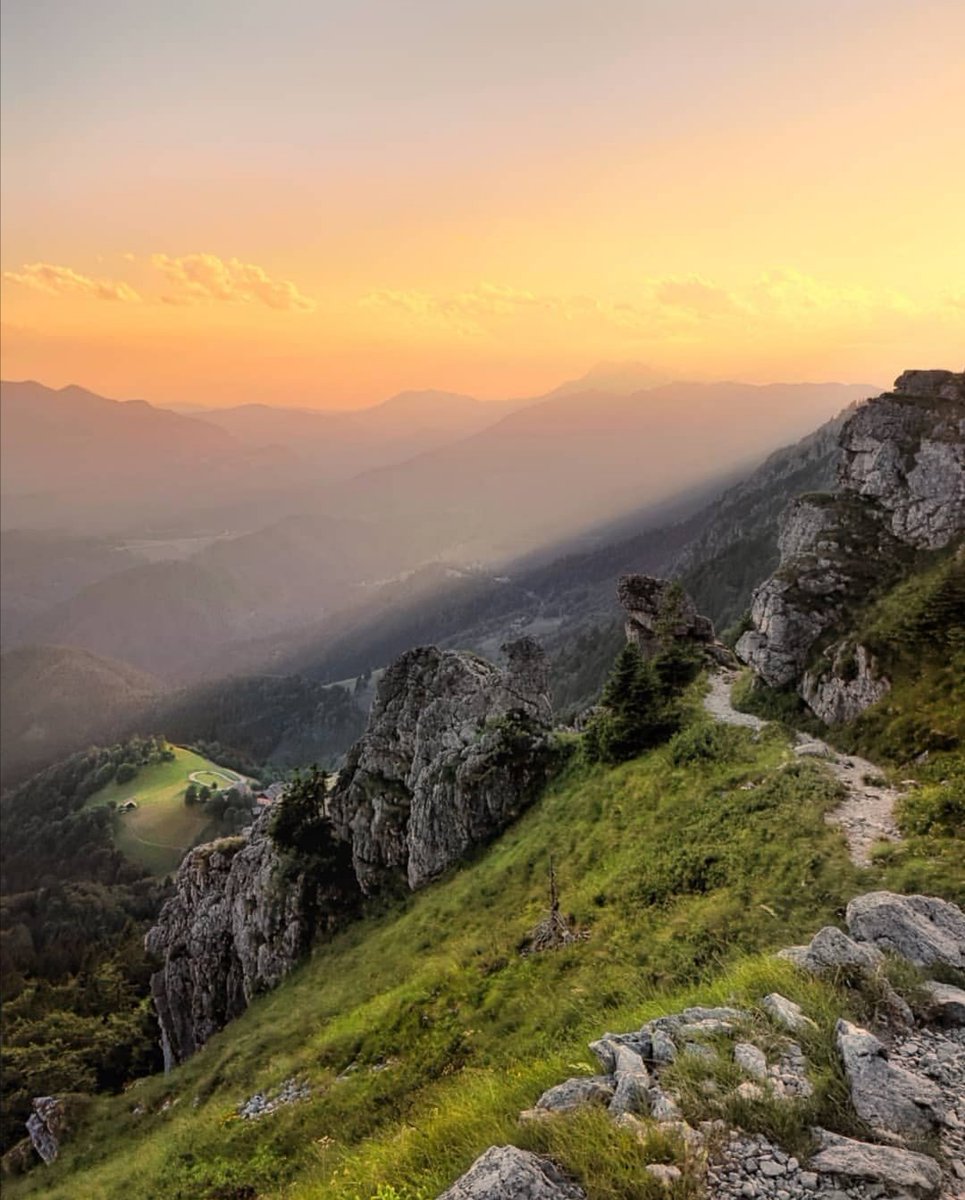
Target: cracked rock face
x: 235, y: 926
x: 887, y: 1165
x: 507, y: 1173
x: 455, y: 749
x: 901, y: 487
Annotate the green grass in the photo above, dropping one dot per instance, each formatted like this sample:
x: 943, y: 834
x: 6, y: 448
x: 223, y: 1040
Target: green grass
x: 162, y: 828
x: 683, y: 879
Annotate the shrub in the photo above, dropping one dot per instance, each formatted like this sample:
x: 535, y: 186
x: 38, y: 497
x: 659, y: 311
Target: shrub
x: 705, y: 742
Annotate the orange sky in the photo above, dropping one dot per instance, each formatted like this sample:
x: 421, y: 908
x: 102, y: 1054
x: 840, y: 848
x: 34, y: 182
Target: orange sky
x: 322, y: 203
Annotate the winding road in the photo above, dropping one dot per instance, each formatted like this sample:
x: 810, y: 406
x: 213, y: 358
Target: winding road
x: 866, y: 815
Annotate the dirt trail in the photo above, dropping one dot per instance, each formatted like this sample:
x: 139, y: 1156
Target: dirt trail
x: 866, y: 815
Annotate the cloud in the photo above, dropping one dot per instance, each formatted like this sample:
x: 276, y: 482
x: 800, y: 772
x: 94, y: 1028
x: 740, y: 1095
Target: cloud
x: 697, y: 296
x: 63, y: 281
x: 200, y: 277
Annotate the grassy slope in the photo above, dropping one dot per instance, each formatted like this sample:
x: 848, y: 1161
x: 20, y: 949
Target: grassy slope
x: 681, y: 876
x: 160, y: 831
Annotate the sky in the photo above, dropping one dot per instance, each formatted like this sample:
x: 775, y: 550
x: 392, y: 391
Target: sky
x: 321, y: 203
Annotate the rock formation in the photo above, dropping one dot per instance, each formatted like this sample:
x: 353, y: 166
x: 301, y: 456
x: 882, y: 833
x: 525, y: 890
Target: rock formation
x: 901, y: 489
x: 507, y: 1173
x: 912, y: 1090
x: 237, y: 923
x: 658, y: 612
x: 455, y: 749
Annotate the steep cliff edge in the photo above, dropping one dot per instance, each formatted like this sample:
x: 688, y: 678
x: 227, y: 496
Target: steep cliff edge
x: 241, y: 916
x: 455, y: 749
x: 901, y: 491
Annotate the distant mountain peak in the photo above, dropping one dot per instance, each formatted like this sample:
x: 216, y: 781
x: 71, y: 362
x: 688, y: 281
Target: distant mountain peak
x: 617, y: 378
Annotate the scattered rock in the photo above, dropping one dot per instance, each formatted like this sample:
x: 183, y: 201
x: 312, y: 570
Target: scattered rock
x: 830, y: 950
x: 632, y: 1083
x: 923, y: 929
x: 575, y: 1092
x: 507, y: 1173
x: 946, y: 1004
x: 751, y: 1059
x: 785, y: 1012
x: 891, y: 1100
x: 665, y: 1173
x: 888, y: 1165
x: 261, y: 1105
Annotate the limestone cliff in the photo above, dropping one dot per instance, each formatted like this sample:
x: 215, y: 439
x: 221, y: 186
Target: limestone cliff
x: 240, y: 918
x: 455, y: 749
x: 901, y: 489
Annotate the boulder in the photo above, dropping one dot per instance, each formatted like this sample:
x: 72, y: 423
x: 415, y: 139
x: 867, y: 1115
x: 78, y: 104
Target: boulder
x: 831, y: 950
x: 632, y: 1083
x: 786, y: 1013
x: 891, y: 1100
x: 901, y: 486
x: 751, y: 1059
x: 575, y: 1092
x: 886, y: 1165
x: 945, y: 1004
x: 507, y: 1173
x: 923, y: 929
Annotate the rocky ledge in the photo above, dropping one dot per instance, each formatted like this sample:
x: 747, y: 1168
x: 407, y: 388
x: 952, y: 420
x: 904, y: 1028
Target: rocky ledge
x: 901, y: 489
x: 906, y: 1087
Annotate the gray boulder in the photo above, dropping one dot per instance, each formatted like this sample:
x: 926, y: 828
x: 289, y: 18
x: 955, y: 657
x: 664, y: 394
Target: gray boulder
x: 575, y: 1092
x: 507, y: 1173
x: 632, y: 1083
x: 235, y: 926
x: 945, y: 1004
x: 886, y: 1165
x: 786, y: 1013
x: 923, y: 929
x: 890, y: 1099
x: 831, y: 950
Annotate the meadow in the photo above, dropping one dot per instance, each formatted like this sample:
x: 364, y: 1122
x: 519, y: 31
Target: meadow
x: 159, y: 832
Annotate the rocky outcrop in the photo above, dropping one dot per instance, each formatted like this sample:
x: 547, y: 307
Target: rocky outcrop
x: 239, y: 920
x: 889, y: 1099
x: 659, y: 612
x: 924, y: 929
x: 901, y: 488
x: 455, y: 749
x: 507, y: 1173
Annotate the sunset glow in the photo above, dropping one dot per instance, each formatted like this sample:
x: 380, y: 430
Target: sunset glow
x: 321, y: 204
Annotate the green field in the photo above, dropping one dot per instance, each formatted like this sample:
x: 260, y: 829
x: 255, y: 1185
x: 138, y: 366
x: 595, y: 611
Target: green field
x: 162, y: 828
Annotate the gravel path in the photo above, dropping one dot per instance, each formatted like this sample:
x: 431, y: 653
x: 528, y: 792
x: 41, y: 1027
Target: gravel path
x: 866, y: 815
